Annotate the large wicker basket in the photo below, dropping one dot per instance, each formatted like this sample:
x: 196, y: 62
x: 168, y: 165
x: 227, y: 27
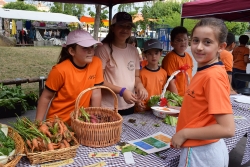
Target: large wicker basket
x: 19, y: 147
x: 105, y: 133
x: 53, y: 155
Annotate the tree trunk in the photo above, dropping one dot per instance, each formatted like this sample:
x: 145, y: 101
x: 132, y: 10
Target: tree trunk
x: 97, y: 21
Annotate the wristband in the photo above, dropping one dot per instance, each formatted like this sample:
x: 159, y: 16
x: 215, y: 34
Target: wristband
x: 121, y: 91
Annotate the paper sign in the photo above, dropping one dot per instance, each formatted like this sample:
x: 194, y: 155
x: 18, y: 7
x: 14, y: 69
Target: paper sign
x: 59, y: 163
x: 99, y: 164
x: 128, y: 156
x: 239, y: 117
x: 153, y: 143
x: 103, y: 154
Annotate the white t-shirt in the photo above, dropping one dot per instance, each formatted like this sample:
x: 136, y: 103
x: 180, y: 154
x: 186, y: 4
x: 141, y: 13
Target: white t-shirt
x: 120, y: 74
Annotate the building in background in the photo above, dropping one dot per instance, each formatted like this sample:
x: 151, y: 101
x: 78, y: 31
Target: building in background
x: 2, y: 3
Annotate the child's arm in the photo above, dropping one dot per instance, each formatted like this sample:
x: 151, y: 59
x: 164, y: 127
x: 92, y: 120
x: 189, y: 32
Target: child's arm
x: 96, y: 98
x: 128, y: 96
x: 142, y: 93
x: 224, y: 128
x: 172, y: 87
x: 43, y: 104
x: 246, y: 59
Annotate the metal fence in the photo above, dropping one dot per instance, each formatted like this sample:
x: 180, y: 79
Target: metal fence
x: 18, y: 81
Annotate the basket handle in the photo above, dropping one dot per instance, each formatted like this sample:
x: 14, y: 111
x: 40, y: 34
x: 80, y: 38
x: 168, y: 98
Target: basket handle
x: 92, y: 88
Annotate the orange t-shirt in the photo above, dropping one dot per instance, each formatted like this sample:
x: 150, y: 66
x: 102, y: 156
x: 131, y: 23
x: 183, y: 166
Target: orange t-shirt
x: 238, y: 57
x: 68, y: 81
x: 227, y: 59
x: 153, y: 81
x: 207, y: 94
x: 144, y: 63
x: 172, y: 62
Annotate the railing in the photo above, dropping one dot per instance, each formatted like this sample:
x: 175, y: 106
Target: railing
x: 19, y: 81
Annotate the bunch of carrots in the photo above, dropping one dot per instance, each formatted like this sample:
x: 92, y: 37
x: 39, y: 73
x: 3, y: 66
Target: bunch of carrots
x: 86, y: 117
x: 44, y: 136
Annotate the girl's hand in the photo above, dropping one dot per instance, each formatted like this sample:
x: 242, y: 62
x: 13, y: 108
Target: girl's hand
x: 142, y: 93
x: 129, y: 97
x: 140, y: 105
x: 178, y: 139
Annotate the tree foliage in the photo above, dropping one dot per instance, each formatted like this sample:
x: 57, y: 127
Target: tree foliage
x: 19, y: 5
x: 168, y: 14
x: 68, y: 8
x: 103, y: 15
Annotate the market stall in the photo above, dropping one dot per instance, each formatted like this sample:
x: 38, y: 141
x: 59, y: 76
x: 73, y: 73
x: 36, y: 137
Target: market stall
x: 144, y: 126
x: 26, y: 24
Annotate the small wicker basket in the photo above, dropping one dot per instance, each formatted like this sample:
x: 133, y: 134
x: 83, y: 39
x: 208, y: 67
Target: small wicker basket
x: 19, y: 147
x: 52, y: 155
x: 105, y: 133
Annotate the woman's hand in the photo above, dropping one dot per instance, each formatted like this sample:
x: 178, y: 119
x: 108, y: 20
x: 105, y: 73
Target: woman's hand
x: 178, y: 139
x: 141, y: 92
x: 129, y: 97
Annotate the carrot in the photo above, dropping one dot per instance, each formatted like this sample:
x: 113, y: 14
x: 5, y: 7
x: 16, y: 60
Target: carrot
x: 35, y: 144
x: 66, y: 143
x: 45, y: 130
x: 56, y: 146
x: 29, y: 143
x: 60, y: 127
x: 62, y: 145
x: 50, y: 146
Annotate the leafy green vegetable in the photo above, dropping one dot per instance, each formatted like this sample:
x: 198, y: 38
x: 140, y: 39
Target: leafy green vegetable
x: 7, y: 144
x: 173, y: 99
x: 170, y: 120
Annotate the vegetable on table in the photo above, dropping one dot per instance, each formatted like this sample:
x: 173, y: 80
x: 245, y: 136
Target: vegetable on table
x: 171, y: 98
x: 170, y: 120
x: 7, y: 145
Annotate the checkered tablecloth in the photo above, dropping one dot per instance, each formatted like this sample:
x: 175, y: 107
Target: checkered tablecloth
x: 242, y: 109
x: 143, y: 127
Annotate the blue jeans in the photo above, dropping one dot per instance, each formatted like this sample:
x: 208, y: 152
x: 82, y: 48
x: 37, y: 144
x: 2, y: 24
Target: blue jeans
x: 236, y: 84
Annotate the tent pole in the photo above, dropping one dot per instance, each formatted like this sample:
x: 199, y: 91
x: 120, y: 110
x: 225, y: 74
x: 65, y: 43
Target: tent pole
x: 110, y: 14
x: 182, y: 21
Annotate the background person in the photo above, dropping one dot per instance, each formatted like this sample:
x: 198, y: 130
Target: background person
x: 77, y: 69
x: 240, y: 58
x: 153, y: 77
x: 178, y: 58
x: 121, y: 65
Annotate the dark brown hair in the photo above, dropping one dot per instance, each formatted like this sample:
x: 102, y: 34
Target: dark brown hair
x: 217, y: 25
x: 132, y: 39
x: 64, y: 55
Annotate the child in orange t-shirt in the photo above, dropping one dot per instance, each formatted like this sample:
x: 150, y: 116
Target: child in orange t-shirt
x: 227, y: 58
x: 206, y: 114
x: 76, y: 70
x: 178, y: 58
x: 153, y: 77
x: 240, y: 58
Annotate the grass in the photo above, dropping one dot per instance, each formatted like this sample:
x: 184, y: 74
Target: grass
x: 27, y: 62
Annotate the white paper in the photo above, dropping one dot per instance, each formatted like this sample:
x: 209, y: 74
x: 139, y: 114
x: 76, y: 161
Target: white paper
x: 128, y: 156
x: 242, y: 99
x: 159, y: 145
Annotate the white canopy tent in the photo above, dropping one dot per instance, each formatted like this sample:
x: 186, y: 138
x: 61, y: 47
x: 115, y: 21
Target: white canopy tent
x: 39, y: 16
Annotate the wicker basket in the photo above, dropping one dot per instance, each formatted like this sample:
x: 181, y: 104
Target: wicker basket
x: 105, y: 133
x: 53, y: 155
x: 19, y: 147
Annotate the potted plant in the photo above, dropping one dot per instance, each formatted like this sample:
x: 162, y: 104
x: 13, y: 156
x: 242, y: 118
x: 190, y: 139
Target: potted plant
x: 13, y: 101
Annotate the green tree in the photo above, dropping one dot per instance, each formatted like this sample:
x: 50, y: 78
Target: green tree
x: 103, y: 15
x: 238, y: 28
x: 68, y: 8
x: 19, y: 5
